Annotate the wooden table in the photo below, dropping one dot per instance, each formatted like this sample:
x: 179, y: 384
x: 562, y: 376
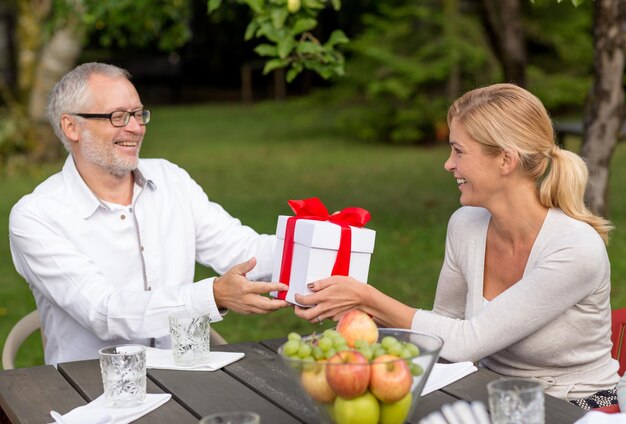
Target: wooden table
x: 258, y: 382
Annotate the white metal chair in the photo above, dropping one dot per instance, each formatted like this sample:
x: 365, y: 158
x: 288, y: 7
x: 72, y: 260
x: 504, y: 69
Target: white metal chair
x: 20, y: 332
x: 30, y: 323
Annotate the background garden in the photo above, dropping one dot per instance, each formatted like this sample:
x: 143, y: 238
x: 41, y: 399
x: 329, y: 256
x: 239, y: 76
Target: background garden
x: 374, y: 138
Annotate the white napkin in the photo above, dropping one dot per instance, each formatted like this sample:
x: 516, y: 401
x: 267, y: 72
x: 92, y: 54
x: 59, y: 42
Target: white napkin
x: 96, y: 411
x: 444, y: 374
x: 163, y: 359
x: 599, y: 417
x: 459, y: 412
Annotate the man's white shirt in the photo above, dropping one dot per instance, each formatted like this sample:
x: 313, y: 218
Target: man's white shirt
x: 104, y: 274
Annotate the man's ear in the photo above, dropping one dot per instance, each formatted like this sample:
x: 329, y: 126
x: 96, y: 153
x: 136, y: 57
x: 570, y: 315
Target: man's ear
x: 69, y: 127
x: 509, y: 162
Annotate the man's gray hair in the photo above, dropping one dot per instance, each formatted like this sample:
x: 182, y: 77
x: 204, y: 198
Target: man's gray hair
x: 71, y: 93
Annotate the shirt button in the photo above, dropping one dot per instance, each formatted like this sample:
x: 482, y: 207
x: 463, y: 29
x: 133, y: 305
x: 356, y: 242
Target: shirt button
x: 142, y: 248
x: 130, y: 210
x: 122, y: 217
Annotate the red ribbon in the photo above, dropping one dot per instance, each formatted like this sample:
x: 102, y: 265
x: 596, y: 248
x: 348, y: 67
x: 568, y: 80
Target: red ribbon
x: 314, y: 209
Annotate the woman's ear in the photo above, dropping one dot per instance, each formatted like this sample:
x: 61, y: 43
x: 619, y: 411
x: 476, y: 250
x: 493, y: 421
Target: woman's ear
x: 69, y: 127
x: 509, y: 162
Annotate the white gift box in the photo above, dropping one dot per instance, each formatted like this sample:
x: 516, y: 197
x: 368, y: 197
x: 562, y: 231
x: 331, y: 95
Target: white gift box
x: 314, y: 253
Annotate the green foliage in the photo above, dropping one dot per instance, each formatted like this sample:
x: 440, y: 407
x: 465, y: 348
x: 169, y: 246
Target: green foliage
x: 561, y: 53
x: 288, y: 27
x: 122, y: 23
x: 402, y: 66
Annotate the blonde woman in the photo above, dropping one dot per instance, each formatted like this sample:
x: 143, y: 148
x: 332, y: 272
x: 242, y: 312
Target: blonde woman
x: 525, y: 283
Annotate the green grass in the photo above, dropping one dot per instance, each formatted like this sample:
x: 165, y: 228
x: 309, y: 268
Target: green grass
x: 252, y: 159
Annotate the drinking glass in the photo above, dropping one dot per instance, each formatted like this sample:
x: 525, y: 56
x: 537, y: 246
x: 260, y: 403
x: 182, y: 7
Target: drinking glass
x: 516, y: 401
x: 190, y: 338
x: 237, y: 417
x: 123, y: 375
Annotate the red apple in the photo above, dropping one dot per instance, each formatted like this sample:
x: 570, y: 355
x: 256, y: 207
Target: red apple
x: 390, y: 379
x: 348, y: 373
x: 313, y: 379
x: 357, y: 325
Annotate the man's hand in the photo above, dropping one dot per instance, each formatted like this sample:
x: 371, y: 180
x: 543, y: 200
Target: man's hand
x: 235, y: 292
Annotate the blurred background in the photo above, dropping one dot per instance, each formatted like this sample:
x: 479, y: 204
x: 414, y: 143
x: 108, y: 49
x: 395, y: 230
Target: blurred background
x: 265, y: 101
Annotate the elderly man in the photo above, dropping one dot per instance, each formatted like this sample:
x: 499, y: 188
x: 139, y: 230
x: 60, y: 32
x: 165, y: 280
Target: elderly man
x: 109, y: 244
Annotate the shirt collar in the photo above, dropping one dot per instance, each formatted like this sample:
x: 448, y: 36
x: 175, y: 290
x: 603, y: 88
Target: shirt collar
x: 85, y: 200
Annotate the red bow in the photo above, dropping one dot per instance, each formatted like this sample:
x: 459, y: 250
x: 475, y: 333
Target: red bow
x: 314, y: 209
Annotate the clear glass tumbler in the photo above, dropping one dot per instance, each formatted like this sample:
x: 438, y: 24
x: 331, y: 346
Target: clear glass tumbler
x: 123, y: 375
x: 516, y: 401
x: 191, y: 335
x: 236, y: 417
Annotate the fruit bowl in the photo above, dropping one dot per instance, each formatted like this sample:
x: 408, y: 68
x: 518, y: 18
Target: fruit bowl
x: 375, y: 381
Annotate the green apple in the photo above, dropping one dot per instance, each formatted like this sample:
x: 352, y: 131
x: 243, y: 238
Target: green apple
x: 396, y: 412
x: 363, y: 409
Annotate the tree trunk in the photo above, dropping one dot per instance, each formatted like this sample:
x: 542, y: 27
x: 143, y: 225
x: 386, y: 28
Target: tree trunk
x: 451, y: 14
x: 604, y: 109
x: 58, y: 56
x: 503, y: 21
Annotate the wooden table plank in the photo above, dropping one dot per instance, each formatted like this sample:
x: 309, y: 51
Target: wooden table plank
x: 264, y: 372
x: 27, y: 395
x: 207, y: 392
x: 86, y: 378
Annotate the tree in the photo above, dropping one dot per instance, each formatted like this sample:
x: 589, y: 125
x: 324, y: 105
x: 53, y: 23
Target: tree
x: 604, y: 109
x: 503, y: 22
x: 50, y: 37
x: 288, y: 27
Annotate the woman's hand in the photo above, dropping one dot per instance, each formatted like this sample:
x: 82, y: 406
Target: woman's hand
x: 332, y: 297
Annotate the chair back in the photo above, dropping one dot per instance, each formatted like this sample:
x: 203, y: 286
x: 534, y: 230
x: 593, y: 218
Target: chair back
x: 30, y: 323
x: 20, y: 332
x: 618, y: 336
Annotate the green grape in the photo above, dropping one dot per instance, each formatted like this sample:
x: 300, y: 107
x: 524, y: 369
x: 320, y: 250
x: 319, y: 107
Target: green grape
x: 325, y: 343
x: 331, y: 352
x: 380, y: 351
x: 415, y: 351
x: 305, y: 350
x: 329, y: 332
x: 375, y: 346
x: 388, y: 341
x: 318, y: 353
x: 291, y: 347
x: 367, y: 352
x: 416, y: 369
x: 308, y: 363
x: 405, y: 353
x: 395, y: 349
x: 340, y: 344
x: 359, y: 344
x: 294, y: 336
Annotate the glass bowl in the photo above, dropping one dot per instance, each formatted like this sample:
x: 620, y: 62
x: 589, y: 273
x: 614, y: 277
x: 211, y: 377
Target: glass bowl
x: 361, y: 386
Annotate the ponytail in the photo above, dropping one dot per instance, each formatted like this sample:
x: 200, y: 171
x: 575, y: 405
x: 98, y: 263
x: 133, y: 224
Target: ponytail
x: 564, y: 187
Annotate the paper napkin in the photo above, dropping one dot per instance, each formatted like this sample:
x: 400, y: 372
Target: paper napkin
x: 444, y: 374
x: 599, y: 417
x: 163, y: 359
x: 96, y: 411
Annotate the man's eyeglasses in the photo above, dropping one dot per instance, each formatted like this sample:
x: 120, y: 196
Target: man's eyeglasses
x: 119, y: 118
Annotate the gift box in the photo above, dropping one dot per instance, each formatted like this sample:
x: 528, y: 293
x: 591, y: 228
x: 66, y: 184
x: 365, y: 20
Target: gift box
x: 321, y: 245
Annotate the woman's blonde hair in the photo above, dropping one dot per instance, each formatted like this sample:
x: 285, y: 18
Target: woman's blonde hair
x: 505, y: 117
